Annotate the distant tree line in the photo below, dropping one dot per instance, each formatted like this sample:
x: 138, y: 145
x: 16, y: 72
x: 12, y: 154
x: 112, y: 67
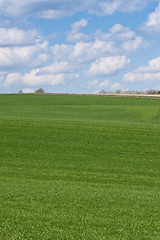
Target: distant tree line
x: 146, y: 92
x: 37, y: 91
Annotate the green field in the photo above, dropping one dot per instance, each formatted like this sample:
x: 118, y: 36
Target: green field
x: 79, y: 167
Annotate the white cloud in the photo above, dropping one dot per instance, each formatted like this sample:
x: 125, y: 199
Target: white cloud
x: 130, y: 5
x: 104, y: 84
x: 15, y: 36
x: 34, y: 79
x: 38, y: 77
x: 133, y: 44
x: 105, y: 7
x: 63, y: 8
x: 141, y: 77
x: 43, y: 8
x: 119, y: 32
x: 1, y: 76
x: 117, y: 28
x: 152, y: 25
x: 12, y: 79
x: 98, y: 56
x: 153, y: 66
x: 108, y: 65
x: 91, y: 50
x: 83, y: 52
x: 59, y: 67
x: 96, y: 85
x: 76, y: 26
x: 75, y: 35
x: 119, y: 41
x: 92, y: 84
x: 21, y: 49
x: 116, y: 86
x: 73, y: 56
x: 122, y: 35
x: 26, y: 56
x: 151, y: 72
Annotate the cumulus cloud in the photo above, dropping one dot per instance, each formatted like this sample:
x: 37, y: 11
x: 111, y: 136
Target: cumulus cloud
x: 78, y: 25
x: 35, y: 79
x: 99, y: 54
x: 118, y: 28
x: 98, y: 86
x: 116, y: 86
x: 105, y: 7
x: 108, y: 65
x: 152, y: 25
x: 119, y: 40
x: 2, y: 76
x: 117, y: 32
x: 43, y: 8
x: 92, y: 84
x: 41, y: 76
x: 153, y: 66
x: 83, y: 51
x: 15, y: 36
x: 141, y: 77
x: 104, y: 84
x: 21, y: 49
x: 13, y: 79
x: 59, y: 67
x: 63, y: 8
x: 133, y: 44
x: 75, y: 35
x: 26, y: 56
x: 25, y: 48
x: 151, y: 72
x: 130, y: 5
x: 124, y: 36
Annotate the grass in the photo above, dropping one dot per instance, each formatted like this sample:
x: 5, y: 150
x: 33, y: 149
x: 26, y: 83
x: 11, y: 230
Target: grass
x: 79, y: 167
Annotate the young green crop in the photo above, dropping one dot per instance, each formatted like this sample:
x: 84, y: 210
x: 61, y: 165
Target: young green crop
x: 79, y: 167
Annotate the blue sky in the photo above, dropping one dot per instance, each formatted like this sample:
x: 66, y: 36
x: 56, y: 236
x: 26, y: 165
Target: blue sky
x: 79, y: 46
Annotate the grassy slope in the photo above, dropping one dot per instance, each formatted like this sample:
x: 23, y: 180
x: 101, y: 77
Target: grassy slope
x: 79, y: 167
